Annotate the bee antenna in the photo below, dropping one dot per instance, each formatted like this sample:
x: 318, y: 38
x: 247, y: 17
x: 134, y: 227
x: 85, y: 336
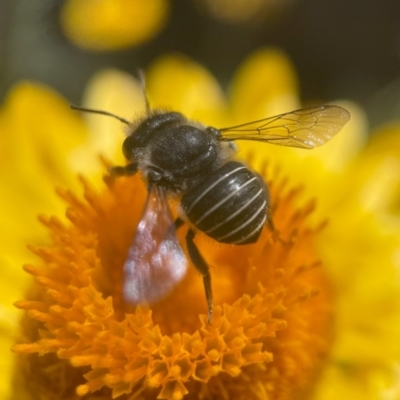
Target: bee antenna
x: 142, y: 80
x: 101, y: 112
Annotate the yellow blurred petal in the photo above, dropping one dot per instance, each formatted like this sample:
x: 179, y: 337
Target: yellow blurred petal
x: 104, y: 25
x: 393, y: 391
x: 37, y: 131
x: 365, y: 275
x: 379, y: 171
x: 35, y: 115
x: 366, y: 278
x: 264, y: 85
x: 343, y: 382
x: 112, y: 91
x: 178, y: 83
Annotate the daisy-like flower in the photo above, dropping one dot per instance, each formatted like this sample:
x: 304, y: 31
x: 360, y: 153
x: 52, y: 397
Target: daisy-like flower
x: 102, y: 25
x: 310, y: 310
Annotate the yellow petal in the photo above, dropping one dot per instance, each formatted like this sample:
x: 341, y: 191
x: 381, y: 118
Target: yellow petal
x: 344, y: 382
x: 115, y: 92
x: 264, y: 85
x: 103, y: 25
x: 38, y: 130
x: 178, y: 83
x: 379, y: 172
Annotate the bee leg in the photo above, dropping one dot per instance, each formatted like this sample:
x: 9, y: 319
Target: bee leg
x: 178, y: 223
x: 202, y: 267
x: 175, y: 226
x: 129, y: 169
x: 270, y: 221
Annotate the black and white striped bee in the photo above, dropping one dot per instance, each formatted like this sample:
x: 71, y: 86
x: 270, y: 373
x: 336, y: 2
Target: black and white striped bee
x: 218, y: 195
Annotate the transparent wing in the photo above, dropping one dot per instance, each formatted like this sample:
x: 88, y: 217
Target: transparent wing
x: 156, y: 262
x: 306, y: 128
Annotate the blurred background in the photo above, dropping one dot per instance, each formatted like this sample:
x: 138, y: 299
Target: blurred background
x: 340, y: 48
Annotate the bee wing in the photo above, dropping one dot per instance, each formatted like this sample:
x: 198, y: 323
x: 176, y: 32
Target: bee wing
x: 156, y: 262
x: 306, y: 128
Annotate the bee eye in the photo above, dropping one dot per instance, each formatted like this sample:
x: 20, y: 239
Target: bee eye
x: 128, y: 146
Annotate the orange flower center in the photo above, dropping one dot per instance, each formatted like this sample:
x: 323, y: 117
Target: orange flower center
x: 268, y: 338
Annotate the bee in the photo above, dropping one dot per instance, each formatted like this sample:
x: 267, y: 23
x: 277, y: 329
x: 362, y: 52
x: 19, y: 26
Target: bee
x: 218, y: 194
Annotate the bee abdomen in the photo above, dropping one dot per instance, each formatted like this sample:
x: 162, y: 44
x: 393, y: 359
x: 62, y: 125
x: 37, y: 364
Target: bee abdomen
x: 230, y: 206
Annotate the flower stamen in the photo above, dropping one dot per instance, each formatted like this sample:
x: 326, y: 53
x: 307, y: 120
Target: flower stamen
x: 271, y: 325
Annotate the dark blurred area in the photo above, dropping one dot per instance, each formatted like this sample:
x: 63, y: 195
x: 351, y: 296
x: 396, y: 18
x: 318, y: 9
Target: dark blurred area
x: 340, y: 48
